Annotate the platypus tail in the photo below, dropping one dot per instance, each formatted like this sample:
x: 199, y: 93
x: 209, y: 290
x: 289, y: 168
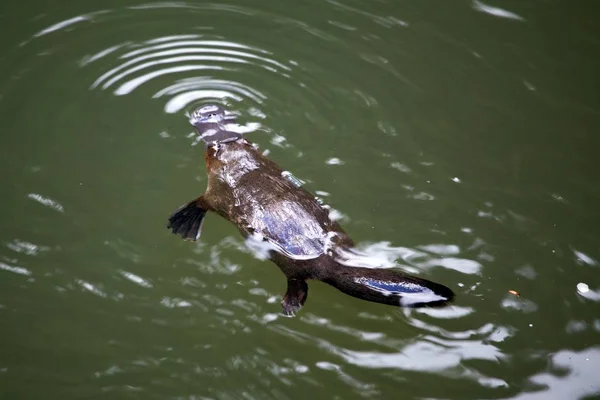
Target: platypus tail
x: 389, y: 286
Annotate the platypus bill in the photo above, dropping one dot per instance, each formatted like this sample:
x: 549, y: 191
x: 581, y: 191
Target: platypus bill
x: 268, y: 203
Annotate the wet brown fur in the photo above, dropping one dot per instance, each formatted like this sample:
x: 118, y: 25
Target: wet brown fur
x: 244, y: 186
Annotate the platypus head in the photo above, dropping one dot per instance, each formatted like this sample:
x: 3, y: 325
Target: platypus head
x: 211, y: 123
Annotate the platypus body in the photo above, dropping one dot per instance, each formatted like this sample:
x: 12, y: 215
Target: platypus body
x: 268, y: 204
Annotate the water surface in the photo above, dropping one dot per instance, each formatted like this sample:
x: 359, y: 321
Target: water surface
x: 456, y: 139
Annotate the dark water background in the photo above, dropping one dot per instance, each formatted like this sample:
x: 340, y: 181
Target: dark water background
x: 459, y: 138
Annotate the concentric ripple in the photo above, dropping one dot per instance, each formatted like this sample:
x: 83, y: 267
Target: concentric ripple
x: 219, y: 65
x: 194, y: 63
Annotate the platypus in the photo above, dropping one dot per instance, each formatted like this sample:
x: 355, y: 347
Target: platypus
x: 269, y: 204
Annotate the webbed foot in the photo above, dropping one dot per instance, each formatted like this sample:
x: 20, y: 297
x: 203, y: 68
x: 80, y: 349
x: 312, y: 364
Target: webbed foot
x: 187, y: 220
x: 295, y: 297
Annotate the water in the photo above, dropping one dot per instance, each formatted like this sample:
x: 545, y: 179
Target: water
x: 457, y: 139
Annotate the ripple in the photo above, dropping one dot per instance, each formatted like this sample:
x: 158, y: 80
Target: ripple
x: 584, y: 291
x: 383, y: 255
x: 571, y: 377
x: 190, y: 90
x: 89, y: 287
x: 365, y: 388
x: 429, y: 353
x: 190, y: 69
x: 46, y: 201
x: 69, y: 22
x: 496, y: 11
x: 138, y: 280
x: 334, y: 161
x: 199, y: 62
x: 458, y: 264
x: 583, y: 258
x: 424, y: 356
x: 175, y: 302
x: 14, y: 269
x: 441, y: 249
x: 524, y: 305
x: 27, y: 248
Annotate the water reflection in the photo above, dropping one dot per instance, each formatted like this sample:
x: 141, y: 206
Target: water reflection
x: 27, y: 248
x: 496, y: 11
x: 138, y: 280
x: 46, y: 201
x: 14, y: 269
x: 383, y: 254
x: 584, y: 290
x: 70, y: 22
x: 426, y: 354
x: 572, y: 375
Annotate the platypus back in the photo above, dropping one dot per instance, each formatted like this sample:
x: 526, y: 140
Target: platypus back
x: 260, y: 198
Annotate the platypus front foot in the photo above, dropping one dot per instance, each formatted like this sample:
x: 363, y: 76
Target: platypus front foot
x: 295, y: 297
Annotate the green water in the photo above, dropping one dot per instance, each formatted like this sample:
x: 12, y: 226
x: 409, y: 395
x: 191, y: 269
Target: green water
x: 458, y: 138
